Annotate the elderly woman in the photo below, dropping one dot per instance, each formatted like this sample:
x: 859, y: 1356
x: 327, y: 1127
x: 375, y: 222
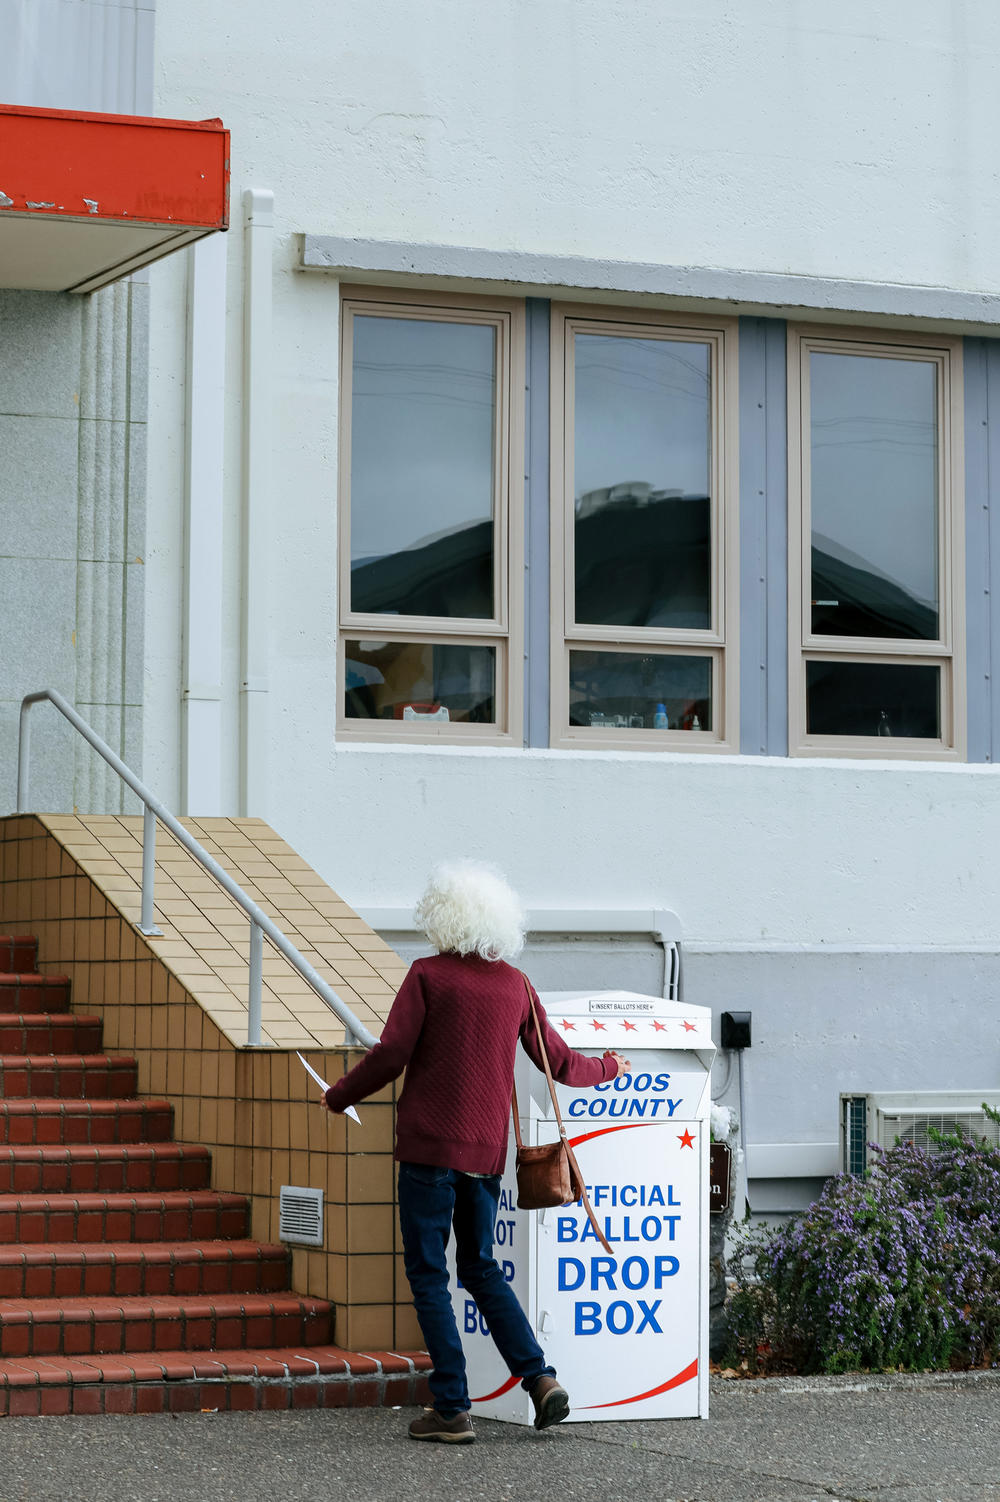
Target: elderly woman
x: 454, y: 1027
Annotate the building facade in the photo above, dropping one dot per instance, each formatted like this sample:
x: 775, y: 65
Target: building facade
x: 580, y: 454
x: 73, y: 421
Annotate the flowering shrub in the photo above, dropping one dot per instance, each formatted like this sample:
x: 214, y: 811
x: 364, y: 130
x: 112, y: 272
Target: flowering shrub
x: 900, y: 1268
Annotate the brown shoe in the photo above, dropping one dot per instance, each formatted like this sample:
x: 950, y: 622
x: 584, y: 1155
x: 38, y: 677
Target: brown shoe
x: 551, y: 1402
x: 454, y: 1431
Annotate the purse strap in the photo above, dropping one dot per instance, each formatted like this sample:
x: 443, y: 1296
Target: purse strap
x: 548, y: 1074
x: 562, y: 1128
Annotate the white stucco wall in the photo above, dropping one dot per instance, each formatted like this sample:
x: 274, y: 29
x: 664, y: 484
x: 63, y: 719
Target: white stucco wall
x: 744, y: 850
x: 850, y: 140
x: 854, y: 141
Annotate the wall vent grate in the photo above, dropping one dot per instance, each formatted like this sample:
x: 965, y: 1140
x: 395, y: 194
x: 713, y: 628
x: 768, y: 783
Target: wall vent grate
x: 855, y: 1133
x: 915, y: 1127
x: 300, y: 1215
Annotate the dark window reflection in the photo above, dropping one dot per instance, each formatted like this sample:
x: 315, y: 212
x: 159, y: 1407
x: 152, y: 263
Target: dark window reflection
x: 422, y: 468
x: 420, y: 681
x: 874, y: 484
x: 640, y: 691
x: 642, y: 465
x: 873, y: 698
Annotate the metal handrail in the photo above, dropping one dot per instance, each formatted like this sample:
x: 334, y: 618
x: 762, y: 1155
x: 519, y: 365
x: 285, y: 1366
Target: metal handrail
x: 153, y: 809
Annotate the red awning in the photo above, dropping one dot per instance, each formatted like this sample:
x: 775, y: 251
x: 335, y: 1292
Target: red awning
x: 87, y: 199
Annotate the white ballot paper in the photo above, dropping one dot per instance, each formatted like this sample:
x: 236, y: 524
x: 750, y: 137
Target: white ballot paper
x: 321, y: 1082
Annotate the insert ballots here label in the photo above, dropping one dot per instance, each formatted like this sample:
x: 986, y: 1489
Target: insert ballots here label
x: 614, y: 1008
x: 622, y: 1329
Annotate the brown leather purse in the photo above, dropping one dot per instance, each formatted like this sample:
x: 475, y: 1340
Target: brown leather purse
x: 549, y: 1175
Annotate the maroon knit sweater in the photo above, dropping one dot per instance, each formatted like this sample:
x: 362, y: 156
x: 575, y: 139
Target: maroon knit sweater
x: 454, y: 1028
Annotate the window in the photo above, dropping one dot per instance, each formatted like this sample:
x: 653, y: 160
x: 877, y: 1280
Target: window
x: 644, y: 530
x: 875, y: 542
x: 431, y: 437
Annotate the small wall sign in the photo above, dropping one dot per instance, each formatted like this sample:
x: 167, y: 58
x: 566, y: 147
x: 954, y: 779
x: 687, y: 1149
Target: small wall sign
x: 720, y: 1171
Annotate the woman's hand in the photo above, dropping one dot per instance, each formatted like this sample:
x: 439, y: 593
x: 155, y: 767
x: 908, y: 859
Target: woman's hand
x: 624, y: 1067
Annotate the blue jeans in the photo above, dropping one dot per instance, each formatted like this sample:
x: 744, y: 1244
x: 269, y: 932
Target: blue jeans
x: 431, y: 1201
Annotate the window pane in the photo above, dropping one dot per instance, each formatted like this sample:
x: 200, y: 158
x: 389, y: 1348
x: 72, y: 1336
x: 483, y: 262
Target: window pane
x: 420, y: 681
x: 874, y: 488
x: 642, y: 462
x: 873, y: 698
x: 422, y: 471
x: 640, y: 691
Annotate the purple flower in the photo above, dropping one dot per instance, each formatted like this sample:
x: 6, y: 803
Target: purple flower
x: 898, y: 1268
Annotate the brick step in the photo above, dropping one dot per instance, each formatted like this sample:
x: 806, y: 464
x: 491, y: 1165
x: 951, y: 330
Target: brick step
x: 18, y: 952
x: 126, y: 1283
x: 88, y: 1076
x: 71, y: 1121
x: 25, y: 992
x: 126, y: 1270
x: 184, y: 1382
x: 108, y: 1169
x: 199, y: 1216
x: 105, y: 1327
x: 48, y: 1033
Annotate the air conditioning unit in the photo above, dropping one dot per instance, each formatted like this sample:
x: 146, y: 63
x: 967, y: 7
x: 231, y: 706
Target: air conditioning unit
x: 908, y: 1115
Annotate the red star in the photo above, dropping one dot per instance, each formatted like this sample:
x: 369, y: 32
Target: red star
x: 630, y: 1027
x: 661, y: 1027
x: 689, y: 1027
x: 597, y: 1026
x: 687, y: 1140
x: 568, y: 1027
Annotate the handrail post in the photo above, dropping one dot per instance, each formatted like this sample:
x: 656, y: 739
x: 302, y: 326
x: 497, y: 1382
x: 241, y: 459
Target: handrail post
x: 146, y: 924
x: 254, y: 999
x: 23, y: 757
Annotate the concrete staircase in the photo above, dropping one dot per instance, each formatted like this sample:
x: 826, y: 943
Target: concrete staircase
x: 126, y: 1283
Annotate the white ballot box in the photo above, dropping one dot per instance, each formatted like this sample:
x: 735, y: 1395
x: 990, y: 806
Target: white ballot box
x: 628, y: 1334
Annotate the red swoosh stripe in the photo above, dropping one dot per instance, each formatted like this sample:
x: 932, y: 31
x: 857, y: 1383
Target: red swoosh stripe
x: 511, y: 1382
x: 588, y: 1136
x: 684, y: 1376
x: 681, y: 1377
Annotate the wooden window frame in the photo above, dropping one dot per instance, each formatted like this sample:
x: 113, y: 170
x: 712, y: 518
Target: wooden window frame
x: 504, y: 630
x: 947, y: 652
x: 721, y: 641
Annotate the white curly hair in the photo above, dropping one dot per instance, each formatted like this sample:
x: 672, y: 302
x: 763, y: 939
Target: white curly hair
x: 469, y: 908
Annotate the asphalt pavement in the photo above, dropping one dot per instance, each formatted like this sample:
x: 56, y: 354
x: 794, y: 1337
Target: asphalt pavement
x: 895, y: 1439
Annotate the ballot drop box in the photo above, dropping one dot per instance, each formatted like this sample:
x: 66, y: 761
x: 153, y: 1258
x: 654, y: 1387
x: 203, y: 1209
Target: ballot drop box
x: 627, y: 1333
